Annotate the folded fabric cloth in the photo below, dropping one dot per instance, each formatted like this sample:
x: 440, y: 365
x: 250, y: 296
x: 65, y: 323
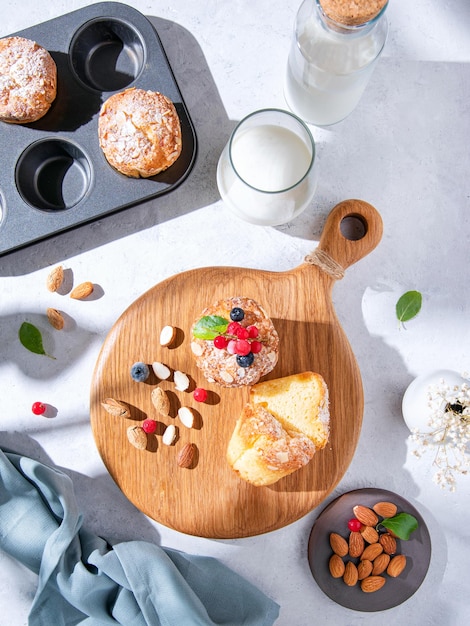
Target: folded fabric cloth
x: 84, y: 580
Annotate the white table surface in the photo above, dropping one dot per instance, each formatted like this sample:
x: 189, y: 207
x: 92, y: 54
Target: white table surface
x: 405, y: 150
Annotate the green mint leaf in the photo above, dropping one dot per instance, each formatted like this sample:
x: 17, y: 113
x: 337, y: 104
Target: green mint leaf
x: 209, y: 326
x: 401, y: 525
x: 408, y: 305
x: 31, y: 339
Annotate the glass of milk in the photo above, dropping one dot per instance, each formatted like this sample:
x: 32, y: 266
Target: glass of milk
x: 267, y: 172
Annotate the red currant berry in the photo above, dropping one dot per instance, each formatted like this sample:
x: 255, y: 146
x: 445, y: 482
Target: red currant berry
x: 242, y: 333
x: 220, y: 342
x: 232, y: 328
x: 242, y: 347
x: 149, y: 426
x: 354, y: 525
x: 256, y: 346
x: 200, y: 394
x: 38, y: 408
x: 231, y: 346
x: 252, y: 332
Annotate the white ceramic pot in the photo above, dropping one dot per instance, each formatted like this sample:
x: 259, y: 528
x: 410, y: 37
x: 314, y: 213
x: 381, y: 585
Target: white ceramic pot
x: 415, y: 407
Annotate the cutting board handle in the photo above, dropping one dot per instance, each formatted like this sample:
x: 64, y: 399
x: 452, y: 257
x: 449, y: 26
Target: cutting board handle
x: 352, y: 230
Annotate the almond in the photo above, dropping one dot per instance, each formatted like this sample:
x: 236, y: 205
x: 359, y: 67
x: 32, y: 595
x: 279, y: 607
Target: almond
x: 181, y: 381
x: 372, y: 583
x: 160, y: 370
x: 185, y: 456
x: 167, y: 335
x: 369, y: 534
x: 385, y: 509
x: 55, y: 278
x: 350, y: 576
x: 371, y: 552
x: 160, y: 400
x: 186, y: 416
x: 365, y: 515
x: 336, y: 565
x: 364, y: 569
x: 116, y: 408
x: 338, y: 544
x: 388, y: 543
x: 137, y: 437
x: 56, y: 319
x: 356, y: 544
x: 169, y: 436
x: 396, y: 565
x: 380, y: 564
x: 81, y: 291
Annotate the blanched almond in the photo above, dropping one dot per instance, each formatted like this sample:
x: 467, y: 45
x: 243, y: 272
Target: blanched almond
x: 186, y: 416
x: 169, y: 436
x: 167, y: 335
x: 160, y: 370
x: 181, y: 381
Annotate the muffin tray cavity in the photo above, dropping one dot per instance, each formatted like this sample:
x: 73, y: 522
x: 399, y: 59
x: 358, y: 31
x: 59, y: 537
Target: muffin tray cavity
x: 54, y: 175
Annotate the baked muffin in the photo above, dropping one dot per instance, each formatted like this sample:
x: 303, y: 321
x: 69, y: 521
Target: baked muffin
x: 139, y: 132
x: 234, y: 342
x: 28, y: 80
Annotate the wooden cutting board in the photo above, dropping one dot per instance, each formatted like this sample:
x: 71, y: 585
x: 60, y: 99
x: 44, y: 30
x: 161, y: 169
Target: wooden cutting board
x: 210, y: 500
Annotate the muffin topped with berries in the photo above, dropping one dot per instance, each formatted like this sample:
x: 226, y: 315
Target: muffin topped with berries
x: 234, y: 342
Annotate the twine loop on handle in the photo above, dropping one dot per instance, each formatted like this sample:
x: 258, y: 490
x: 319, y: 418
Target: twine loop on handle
x: 326, y: 263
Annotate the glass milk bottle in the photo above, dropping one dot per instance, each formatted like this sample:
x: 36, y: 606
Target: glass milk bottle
x: 333, y: 54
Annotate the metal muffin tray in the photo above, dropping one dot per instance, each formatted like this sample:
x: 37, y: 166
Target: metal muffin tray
x: 53, y: 174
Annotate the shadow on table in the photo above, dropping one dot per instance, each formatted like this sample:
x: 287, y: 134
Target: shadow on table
x: 212, y: 128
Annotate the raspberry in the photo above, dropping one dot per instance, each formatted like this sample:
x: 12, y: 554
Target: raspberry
x: 220, y: 342
x: 256, y: 346
x: 149, y: 426
x: 252, y: 331
x: 38, y: 408
x: 242, y: 347
x: 200, y: 394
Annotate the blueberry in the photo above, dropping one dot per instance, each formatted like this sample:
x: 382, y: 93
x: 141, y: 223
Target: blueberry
x: 237, y: 314
x: 245, y: 360
x: 140, y: 372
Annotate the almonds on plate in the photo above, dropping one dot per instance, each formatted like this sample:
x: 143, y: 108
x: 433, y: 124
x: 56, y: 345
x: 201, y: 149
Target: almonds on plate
x: 364, y: 569
x: 365, y: 515
x: 160, y: 370
x: 350, y: 575
x: 55, y: 278
x: 356, y: 544
x: 167, y: 335
x: 81, y: 291
x: 372, y: 583
x: 388, y: 543
x: 185, y: 456
x: 371, y: 552
x: 116, y: 408
x: 160, y: 400
x: 56, y: 319
x: 181, y: 381
x: 186, y: 416
x: 336, y: 565
x: 338, y: 544
x: 369, y: 534
x: 385, y: 509
x: 380, y: 564
x: 169, y: 436
x: 396, y: 565
x: 137, y: 437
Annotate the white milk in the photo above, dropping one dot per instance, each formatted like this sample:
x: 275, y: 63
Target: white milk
x: 269, y: 161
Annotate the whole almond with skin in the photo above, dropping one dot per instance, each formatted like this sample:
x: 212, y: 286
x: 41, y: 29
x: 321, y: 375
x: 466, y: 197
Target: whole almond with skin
x: 372, y: 583
x: 160, y: 400
x: 185, y: 456
x: 388, y: 543
x: 336, y: 566
x: 137, y: 437
x: 371, y: 552
x: 350, y: 576
x: 369, y: 534
x: 380, y: 564
x: 397, y: 565
x: 116, y: 408
x: 83, y: 290
x: 364, y: 569
x: 338, y: 544
x: 365, y: 515
x: 356, y: 544
x: 385, y: 509
x: 55, y: 278
x: 55, y: 318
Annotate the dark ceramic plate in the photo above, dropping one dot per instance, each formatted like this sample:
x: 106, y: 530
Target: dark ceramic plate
x: 396, y: 590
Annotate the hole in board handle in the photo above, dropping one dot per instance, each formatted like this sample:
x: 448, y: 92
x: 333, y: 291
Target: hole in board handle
x: 353, y: 227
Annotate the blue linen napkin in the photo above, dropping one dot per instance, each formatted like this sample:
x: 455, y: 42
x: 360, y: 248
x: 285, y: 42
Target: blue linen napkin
x: 84, y: 580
